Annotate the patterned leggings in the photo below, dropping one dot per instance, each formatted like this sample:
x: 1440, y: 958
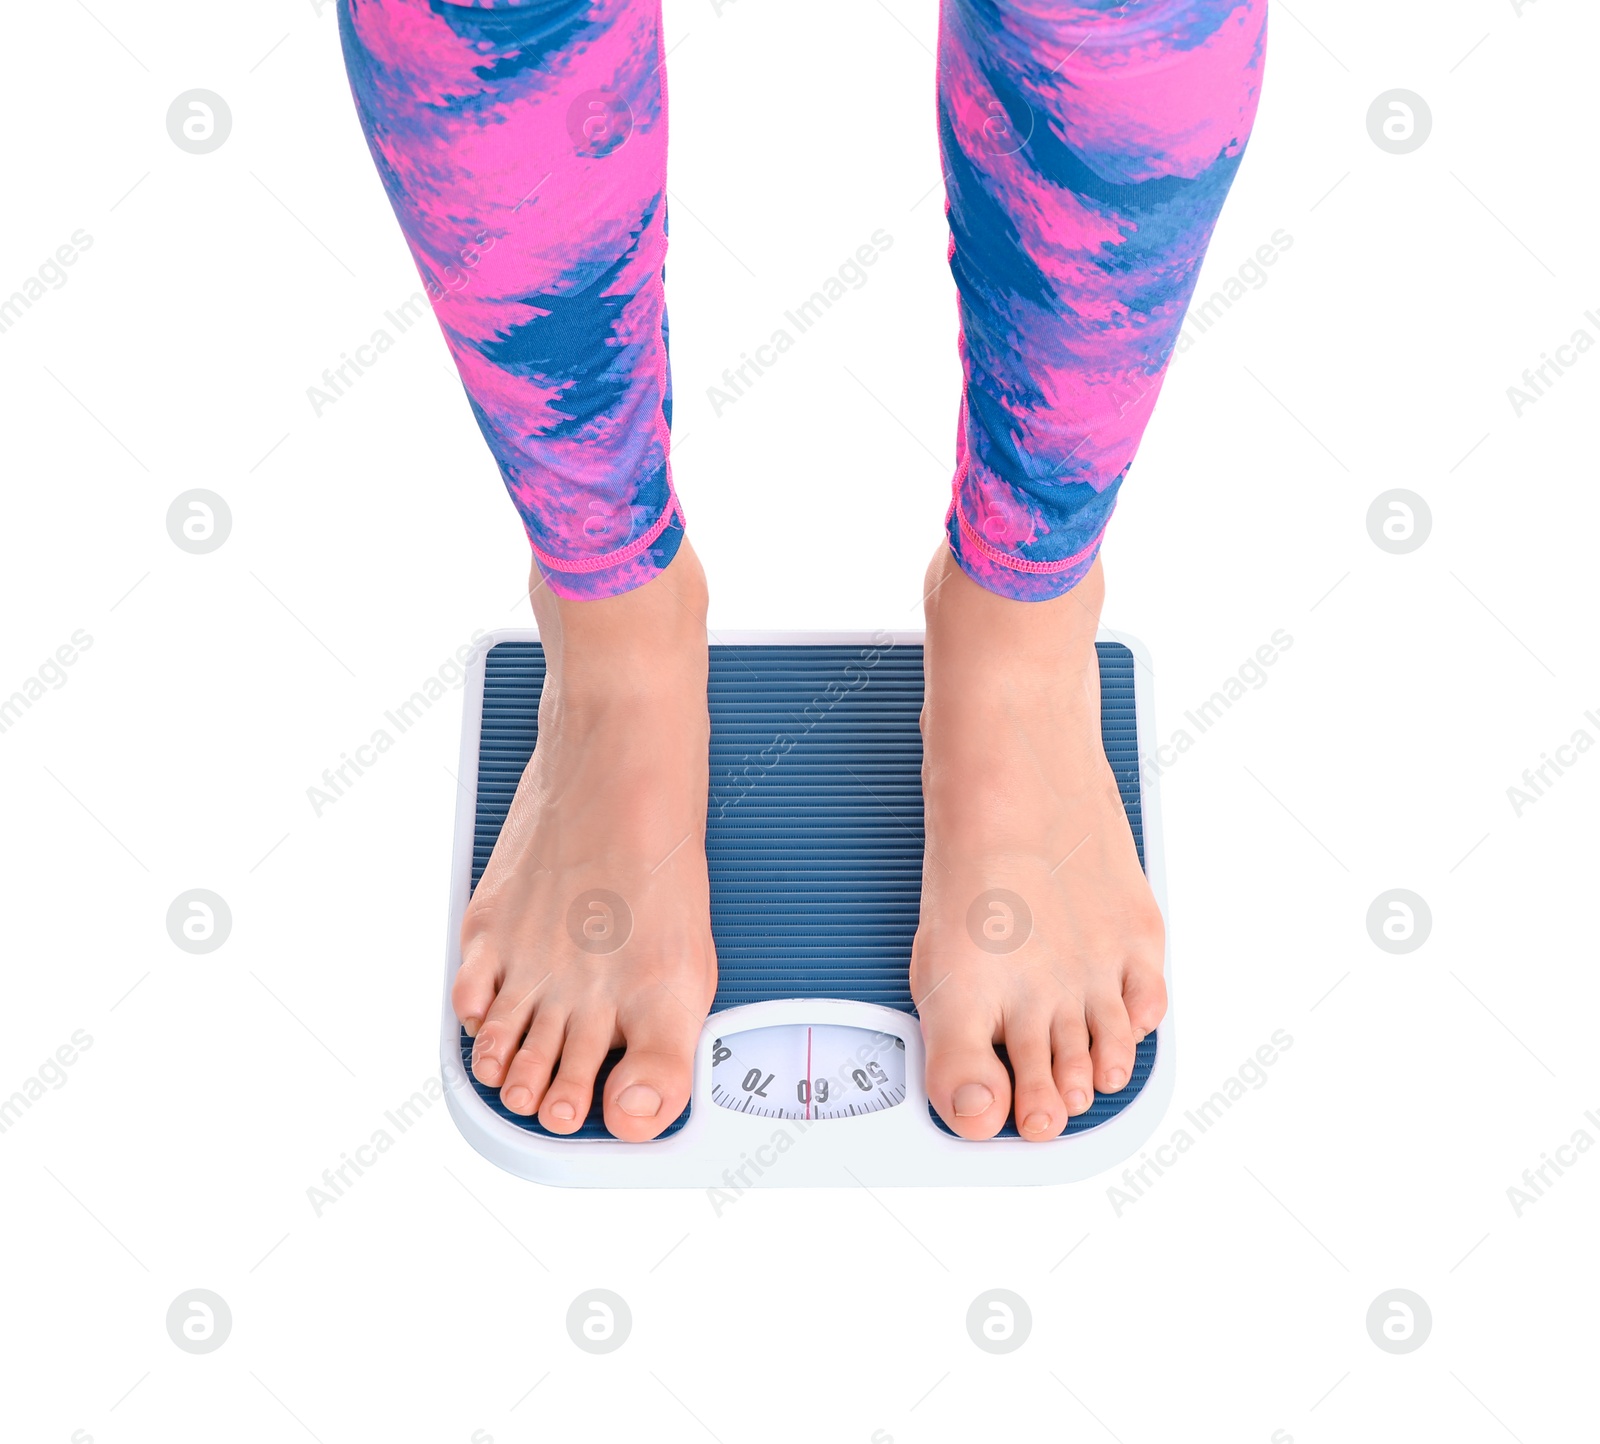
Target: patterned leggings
x: 1087, y: 148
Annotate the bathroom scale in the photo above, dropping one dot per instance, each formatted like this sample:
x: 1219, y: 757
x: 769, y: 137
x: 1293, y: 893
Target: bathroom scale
x: 809, y: 1069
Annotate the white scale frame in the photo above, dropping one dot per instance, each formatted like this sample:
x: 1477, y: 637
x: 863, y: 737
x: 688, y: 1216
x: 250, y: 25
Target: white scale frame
x: 724, y: 1149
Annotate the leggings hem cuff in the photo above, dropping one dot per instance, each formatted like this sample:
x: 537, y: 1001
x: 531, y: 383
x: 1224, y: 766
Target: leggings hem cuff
x: 624, y: 570
x: 1016, y: 577
x: 618, y: 557
x: 1022, y: 564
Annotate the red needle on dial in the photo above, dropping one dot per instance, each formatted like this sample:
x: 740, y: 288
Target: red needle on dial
x: 808, y: 1074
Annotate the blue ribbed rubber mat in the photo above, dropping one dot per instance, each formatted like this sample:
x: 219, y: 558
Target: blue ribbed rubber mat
x: 814, y: 829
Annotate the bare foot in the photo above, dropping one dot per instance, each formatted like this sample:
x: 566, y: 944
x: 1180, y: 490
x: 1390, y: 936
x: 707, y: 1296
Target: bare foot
x: 591, y: 926
x: 1038, y: 928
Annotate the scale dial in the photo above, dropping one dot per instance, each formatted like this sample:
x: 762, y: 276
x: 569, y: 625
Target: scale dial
x: 808, y: 1071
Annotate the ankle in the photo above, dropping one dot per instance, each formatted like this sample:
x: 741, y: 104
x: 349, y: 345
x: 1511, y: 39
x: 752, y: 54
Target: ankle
x: 978, y: 637
x: 646, y: 642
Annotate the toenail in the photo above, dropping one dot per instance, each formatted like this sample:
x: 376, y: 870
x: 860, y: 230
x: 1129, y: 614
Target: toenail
x: 564, y: 1111
x: 1115, y: 1079
x: 1036, y: 1123
x: 971, y: 1099
x: 1077, y: 1101
x: 639, y: 1101
x: 517, y: 1099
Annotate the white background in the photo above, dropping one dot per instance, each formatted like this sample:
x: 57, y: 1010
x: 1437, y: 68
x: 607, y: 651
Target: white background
x: 1229, y: 1302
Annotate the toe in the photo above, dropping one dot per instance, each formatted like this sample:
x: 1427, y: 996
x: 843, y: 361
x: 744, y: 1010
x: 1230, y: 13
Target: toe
x: 1040, y: 1111
x: 649, y: 1086
x: 1111, y: 1042
x: 967, y: 1083
x: 500, y: 1034
x: 1144, y: 997
x: 583, y: 1050
x: 477, y: 982
x: 1070, y: 1064
x: 529, y: 1074
x: 646, y: 1092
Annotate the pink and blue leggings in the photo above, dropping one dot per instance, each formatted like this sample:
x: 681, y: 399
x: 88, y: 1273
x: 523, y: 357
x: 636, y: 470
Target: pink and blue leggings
x: 1087, y: 147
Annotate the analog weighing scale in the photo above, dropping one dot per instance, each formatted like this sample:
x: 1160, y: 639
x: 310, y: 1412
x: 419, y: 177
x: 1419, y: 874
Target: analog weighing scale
x: 809, y: 1069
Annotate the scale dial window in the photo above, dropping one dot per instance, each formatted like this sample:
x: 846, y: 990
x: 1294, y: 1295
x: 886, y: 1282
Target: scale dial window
x: 808, y: 1072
